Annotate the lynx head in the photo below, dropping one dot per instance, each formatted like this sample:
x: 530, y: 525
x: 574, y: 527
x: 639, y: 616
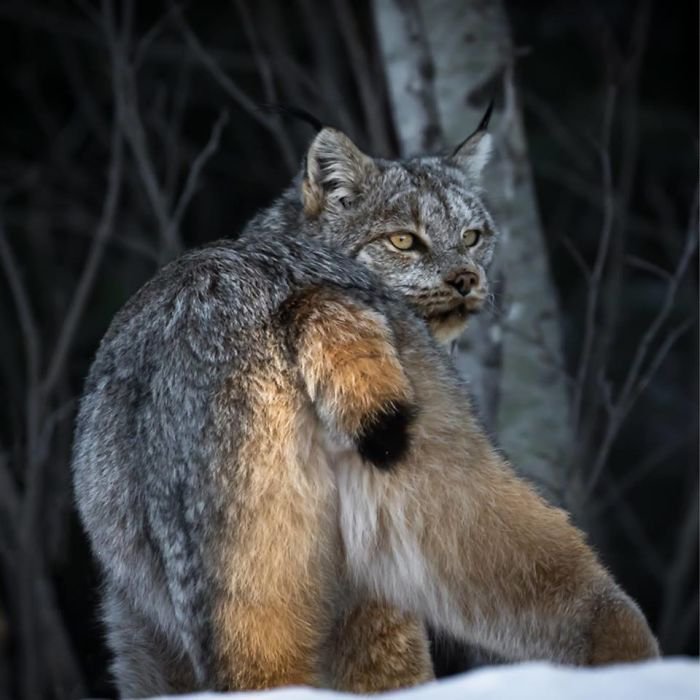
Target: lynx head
x: 420, y: 224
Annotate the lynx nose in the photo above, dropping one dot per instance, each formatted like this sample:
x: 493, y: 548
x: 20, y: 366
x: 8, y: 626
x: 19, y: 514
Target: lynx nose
x: 463, y: 281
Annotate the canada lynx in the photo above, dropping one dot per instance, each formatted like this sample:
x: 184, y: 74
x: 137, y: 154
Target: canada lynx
x: 278, y: 466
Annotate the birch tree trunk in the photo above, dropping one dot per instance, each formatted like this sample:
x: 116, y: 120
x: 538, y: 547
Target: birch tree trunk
x: 444, y: 61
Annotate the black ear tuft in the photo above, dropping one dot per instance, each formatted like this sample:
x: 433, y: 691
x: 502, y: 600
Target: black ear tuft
x: 483, y: 127
x: 474, y: 152
x: 384, y: 440
x: 484, y: 123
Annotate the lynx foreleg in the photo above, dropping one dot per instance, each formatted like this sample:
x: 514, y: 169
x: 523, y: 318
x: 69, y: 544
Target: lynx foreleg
x: 377, y: 647
x: 452, y: 534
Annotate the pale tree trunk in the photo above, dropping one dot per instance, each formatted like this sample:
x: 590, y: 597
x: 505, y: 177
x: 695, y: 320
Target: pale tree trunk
x: 444, y: 61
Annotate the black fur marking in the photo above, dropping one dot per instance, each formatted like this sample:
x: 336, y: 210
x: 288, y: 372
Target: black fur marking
x: 483, y: 126
x: 384, y: 440
x: 484, y: 123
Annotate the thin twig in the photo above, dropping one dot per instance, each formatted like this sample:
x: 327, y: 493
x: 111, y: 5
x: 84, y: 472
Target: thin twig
x: 638, y: 472
x: 576, y: 257
x: 629, y: 79
x: 622, y: 408
x: 593, y: 198
x: 550, y: 356
x: 669, y: 341
x: 25, y: 315
x: 172, y: 131
x: 200, y: 161
x: 230, y: 87
x: 369, y: 100
x: 653, y: 330
x: 647, y: 266
x: 104, y: 231
x: 636, y: 379
x: 321, y: 43
x: 262, y: 61
x: 149, y: 37
x: 595, y: 283
x: 683, y: 566
x: 558, y: 129
x: 126, y: 105
x: 261, y: 58
x: 634, y: 529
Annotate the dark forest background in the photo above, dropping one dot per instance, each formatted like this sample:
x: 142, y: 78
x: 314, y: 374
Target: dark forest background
x: 131, y: 131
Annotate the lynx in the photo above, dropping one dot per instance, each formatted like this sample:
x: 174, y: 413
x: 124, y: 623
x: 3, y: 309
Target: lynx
x: 279, y: 468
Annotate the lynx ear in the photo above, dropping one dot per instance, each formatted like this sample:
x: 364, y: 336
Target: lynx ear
x: 334, y: 172
x: 474, y: 152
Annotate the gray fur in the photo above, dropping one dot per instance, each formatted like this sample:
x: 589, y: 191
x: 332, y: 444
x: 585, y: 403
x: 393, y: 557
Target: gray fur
x: 147, y: 470
x: 386, y: 196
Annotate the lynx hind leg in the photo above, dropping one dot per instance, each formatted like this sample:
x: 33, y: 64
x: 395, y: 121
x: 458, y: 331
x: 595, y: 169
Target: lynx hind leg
x: 376, y: 648
x: 277, y: 568
x: 143, y: 665
x: 347, y: 356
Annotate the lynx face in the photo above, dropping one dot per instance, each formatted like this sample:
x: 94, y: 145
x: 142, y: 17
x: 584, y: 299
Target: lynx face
x: 430, y: 237
x: 421, y: 224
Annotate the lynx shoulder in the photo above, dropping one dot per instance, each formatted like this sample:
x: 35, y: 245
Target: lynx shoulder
x: 277, y: 465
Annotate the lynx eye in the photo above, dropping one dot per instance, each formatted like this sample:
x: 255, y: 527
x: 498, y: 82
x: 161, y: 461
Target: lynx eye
x: 471, y: 237
x: 403, y: 241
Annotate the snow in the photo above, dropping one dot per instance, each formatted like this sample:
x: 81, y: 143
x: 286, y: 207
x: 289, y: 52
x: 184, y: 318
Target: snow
x: 667, y: 679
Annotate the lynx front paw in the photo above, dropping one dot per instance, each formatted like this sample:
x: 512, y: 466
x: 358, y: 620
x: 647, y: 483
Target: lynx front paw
x: 353, y: 372
x: 620, y: 633
x: 380, y: 648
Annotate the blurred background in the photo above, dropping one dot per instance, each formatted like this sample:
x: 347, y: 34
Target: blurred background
x: 134, y: 130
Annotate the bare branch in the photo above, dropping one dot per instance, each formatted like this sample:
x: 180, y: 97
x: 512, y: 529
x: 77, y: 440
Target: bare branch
x: 371, y: 107
x: 172, y: 130
x: 104, y: 231
x: 261, y: 59
x: 231, y: 89
x: 640, y: 264
x: 147, y: 40
x: 558, y: 129
x: 669, y: 341
x: 322, y: 46
x: 577, y: 258
x: 595, y: 283
x: 618, y: 414
x: 652, y: 332
x: 200, y: 161
x: 627, y: 79
x: 593, y: 197
x: 9, y: 498
x: 538, y: 342
x: 634, y: 529
x: 637, y: 379
x: 640, y: 471
x: 683, y: 566
x: 23, y: 306
x: 126, y: 105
